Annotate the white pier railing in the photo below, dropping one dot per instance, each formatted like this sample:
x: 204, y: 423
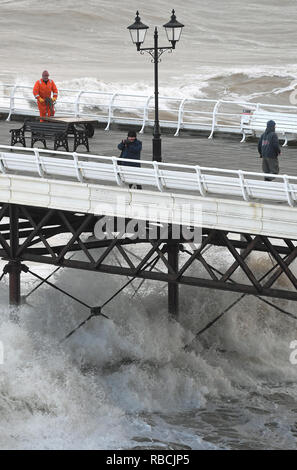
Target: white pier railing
x: 138, y: 109
x: 164, y: 177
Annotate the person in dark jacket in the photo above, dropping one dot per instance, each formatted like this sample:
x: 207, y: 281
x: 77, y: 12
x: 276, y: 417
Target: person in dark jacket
x: 131, y: 149
x: 269, y: 150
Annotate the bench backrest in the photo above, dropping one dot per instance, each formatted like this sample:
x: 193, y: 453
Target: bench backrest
x: 285, y: 122
x: 49, y: 128
x: 27, y: 126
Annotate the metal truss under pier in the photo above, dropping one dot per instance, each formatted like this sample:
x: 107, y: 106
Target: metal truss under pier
x: 30, y: 234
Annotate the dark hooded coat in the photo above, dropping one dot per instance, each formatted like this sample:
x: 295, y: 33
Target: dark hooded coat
x: 132, y: 151
x: 268, y: 145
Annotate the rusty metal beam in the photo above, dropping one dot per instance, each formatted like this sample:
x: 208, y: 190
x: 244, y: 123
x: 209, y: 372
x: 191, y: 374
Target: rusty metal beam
x: 243, y: 255
x: 164, y: 277
x: 47, y: 223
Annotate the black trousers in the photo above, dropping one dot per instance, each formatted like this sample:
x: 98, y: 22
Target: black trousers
x: 270, y: 165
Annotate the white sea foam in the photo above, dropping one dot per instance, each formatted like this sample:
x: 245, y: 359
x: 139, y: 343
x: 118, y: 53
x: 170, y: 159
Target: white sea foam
x: 115, y: 380
x: 264, y: 84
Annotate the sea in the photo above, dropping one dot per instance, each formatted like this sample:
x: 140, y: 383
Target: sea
x: 128, y: 382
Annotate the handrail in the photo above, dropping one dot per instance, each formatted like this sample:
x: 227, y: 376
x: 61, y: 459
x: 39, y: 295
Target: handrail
x: 197, y: 180
x: 175, y: 112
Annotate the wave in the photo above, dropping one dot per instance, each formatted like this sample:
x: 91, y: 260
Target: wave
x: 121, y: 382
x: 210, y: 82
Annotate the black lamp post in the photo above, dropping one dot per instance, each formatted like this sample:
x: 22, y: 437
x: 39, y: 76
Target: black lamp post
x: 138, y: 32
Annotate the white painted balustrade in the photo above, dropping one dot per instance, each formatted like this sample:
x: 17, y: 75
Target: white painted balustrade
x: 138, y: 109
x: 163, y: 177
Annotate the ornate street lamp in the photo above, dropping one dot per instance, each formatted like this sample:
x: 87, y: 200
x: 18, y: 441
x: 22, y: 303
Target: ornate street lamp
x: 138, y: 32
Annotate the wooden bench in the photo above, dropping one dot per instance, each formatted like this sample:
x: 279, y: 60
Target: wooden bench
x: 286, y: 124
x: 44, y: 131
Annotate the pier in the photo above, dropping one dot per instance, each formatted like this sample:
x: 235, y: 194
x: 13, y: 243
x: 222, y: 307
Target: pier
x: 36, y: 208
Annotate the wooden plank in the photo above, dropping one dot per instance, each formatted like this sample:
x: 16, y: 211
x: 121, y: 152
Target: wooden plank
x: 69, y: 119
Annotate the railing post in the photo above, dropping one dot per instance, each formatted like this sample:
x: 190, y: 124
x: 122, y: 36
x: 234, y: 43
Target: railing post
x: 11, y: 104
x: 38, y: 163
x: 158, y: 177
x: 77, y: 102
x: 288, y: 191
x: 243, y: 184
x: 214, y: 118
x: 145, y: 113
x: 180, y: 116
x: 77, y: 169
x: 2, y: 166
x: 200, y: 181
x: 110, y: 111
x: 117, y: 172
x: 285, y: 144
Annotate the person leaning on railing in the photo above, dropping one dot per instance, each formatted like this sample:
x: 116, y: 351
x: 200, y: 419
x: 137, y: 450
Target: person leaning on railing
x: 269, y: 150
x: 130, y: 149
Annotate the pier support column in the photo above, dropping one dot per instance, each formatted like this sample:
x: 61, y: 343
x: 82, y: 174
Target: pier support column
x: 173, y: 288
x: 14, y: 265
x: 14, y: 269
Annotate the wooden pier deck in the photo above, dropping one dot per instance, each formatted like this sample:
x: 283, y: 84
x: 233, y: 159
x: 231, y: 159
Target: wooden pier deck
x: 194, y: 149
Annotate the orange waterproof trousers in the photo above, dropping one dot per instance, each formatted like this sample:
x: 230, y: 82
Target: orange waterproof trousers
x: 45, y: 110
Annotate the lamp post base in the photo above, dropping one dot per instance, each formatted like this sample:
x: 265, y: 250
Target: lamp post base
x: 157, y: 153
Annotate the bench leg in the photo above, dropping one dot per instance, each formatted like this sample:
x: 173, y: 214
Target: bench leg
x: 17, y: 136
x: 89, y: 130
x: 37, y: 139
x: 61, y: 142
x: 13, y: 139
x: 81, y: 138
x: 285, y: 144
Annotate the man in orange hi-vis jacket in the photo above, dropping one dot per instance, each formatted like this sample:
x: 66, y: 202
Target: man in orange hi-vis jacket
x: 42, y: 91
